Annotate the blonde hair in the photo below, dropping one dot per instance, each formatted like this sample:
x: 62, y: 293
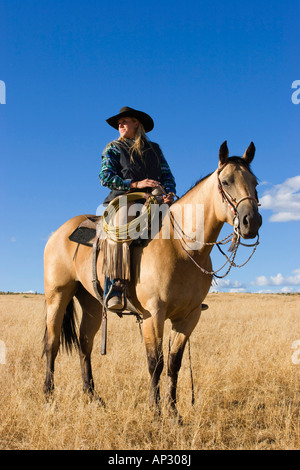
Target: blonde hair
x: 138, y: 144
x: 140, y: 138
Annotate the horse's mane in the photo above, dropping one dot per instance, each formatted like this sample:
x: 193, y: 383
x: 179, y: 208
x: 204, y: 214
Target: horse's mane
x: 238, y: 160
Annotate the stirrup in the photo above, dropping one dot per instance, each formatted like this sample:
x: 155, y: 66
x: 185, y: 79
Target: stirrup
x: 115, y: 302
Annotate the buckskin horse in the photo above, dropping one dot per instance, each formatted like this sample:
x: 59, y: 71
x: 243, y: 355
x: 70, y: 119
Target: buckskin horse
x: 166, y: 282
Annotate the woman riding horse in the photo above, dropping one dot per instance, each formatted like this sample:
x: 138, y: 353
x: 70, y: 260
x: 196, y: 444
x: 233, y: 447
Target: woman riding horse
x: 133, y: 162
x: 170, y: 277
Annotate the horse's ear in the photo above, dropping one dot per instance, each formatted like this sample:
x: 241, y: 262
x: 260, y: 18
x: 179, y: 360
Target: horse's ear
x: 223, y: 153
x: 249, y: 154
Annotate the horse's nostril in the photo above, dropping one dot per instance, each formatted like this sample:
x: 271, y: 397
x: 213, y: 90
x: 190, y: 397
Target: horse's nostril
x: 245, y: 221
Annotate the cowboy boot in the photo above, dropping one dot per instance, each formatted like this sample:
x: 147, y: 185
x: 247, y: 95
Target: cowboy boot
x: 115, y: 296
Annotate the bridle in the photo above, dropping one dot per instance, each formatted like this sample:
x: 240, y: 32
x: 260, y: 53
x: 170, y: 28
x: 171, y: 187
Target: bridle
x: 231, y: 201
x: 235, y: 237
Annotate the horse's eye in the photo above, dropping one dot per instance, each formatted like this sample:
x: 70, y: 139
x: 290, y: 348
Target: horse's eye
x: 225, y: 183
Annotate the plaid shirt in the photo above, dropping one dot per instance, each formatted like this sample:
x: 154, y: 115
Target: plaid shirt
x: 110, y: 177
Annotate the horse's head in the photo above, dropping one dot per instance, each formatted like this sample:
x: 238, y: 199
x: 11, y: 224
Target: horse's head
x: 237, y: 188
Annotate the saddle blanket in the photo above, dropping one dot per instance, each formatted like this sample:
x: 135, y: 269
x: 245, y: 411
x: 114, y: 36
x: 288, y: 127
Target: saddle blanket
x: 85, y: 233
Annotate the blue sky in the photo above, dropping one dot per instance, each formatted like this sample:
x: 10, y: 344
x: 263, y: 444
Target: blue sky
x: 205, y: 71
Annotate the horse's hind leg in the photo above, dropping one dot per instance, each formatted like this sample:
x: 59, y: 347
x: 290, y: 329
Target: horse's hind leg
x: 58, y: 304
x: 90, y: 324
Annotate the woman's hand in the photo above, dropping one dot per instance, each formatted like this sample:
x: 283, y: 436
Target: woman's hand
x: 169, y: 199
x: 147, y: 183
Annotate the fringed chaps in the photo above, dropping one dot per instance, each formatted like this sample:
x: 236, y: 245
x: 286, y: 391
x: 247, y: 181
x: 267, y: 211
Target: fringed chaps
x: 116, y: 254
x: 116, y: 259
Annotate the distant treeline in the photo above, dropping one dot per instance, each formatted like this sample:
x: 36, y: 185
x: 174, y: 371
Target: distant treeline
x: 19, y: 293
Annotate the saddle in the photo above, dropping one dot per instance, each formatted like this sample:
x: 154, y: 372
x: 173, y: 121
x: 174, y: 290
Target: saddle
x: 85, y: 233
x: 88, y: 234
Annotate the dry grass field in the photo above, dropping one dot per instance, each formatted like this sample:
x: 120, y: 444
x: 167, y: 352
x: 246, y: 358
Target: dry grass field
x: 247, y: 388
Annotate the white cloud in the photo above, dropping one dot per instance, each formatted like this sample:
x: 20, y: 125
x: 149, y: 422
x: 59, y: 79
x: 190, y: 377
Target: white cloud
x: 266, y: 291
x: 288, y: 283
x: 288, y: 290
x: 239, y: 290
x: 284, y: 200
x: 226, y: 285
x: 283, y: 290
x: 277, y: 284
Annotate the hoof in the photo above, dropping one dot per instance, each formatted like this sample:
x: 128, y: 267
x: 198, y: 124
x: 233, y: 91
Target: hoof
x: 48, y: 393
x: 93, y: 397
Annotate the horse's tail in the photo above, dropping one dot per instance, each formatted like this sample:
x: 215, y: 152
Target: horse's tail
x: 69, y: 335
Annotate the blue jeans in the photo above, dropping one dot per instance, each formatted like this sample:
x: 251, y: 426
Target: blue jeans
x: 107, y: 285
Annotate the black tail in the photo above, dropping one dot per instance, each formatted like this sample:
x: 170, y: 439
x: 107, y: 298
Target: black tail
x: 69, y: 336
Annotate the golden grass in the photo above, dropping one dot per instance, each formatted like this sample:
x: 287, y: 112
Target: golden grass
x: 246, y: 385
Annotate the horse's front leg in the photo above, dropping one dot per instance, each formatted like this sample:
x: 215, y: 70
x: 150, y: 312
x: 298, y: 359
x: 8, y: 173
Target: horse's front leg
x: 153, y: 337
x: 181, y: 332
x: 177, y: 345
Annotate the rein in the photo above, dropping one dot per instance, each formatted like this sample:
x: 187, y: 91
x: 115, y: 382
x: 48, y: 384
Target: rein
x: 229, y: 259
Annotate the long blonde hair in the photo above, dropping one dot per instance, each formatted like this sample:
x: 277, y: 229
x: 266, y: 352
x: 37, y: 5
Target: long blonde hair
x: 138, y: 144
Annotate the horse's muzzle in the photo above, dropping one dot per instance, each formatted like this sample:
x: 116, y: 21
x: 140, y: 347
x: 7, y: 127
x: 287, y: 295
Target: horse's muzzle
x: 250, y: 221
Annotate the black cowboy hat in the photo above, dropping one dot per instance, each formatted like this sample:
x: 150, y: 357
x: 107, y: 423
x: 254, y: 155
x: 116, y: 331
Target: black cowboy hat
x: 144, y: 118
